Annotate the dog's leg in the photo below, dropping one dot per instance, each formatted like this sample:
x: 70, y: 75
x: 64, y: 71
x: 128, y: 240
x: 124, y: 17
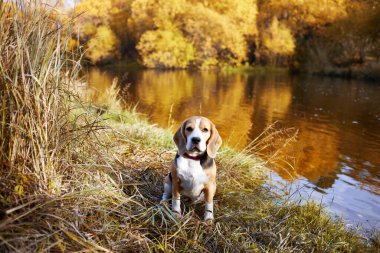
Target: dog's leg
x: 167, y: 189
x: 176, y: 199
x: 209, y: 191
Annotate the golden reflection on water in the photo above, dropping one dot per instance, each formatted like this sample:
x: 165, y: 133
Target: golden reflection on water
x: 222, y: 103
x: 338, y: 128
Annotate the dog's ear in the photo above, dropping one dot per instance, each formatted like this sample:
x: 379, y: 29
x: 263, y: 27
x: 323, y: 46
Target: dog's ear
x: 180, y: 139
x: 214, y: 142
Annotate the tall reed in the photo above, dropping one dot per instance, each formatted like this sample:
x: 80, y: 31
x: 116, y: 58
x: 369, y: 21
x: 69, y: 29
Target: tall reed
x: 33, y: 109
x: 58, y: 187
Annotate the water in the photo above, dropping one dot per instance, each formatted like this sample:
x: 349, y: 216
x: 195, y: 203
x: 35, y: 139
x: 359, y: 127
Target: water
x: 336, y: 156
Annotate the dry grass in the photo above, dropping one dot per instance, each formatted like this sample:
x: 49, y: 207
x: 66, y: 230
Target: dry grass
x: 77, y: 178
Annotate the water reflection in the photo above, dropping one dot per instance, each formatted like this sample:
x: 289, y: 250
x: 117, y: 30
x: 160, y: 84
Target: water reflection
x: 338, y: 120
x: 177, y: 95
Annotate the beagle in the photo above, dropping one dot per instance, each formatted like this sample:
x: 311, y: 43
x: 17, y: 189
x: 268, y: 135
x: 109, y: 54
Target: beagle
x: 193, y: 171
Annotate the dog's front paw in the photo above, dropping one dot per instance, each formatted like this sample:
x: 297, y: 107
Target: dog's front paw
x: 177, y: 215
x: 164, y: 202
x: 209, y: 216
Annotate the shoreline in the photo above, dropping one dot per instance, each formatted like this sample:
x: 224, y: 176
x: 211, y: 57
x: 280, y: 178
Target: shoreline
x: 249, y: 214
x: 248, y: 176
x: 368, y: 75
x: 254, y: 179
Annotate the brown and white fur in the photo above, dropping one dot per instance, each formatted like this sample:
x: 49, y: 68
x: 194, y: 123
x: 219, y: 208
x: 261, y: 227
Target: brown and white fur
x: 193, y: 171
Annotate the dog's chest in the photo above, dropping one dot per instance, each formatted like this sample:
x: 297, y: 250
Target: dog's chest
x: 192, y: 176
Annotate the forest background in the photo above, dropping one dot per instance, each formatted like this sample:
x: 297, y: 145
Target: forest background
x: 334, y: 37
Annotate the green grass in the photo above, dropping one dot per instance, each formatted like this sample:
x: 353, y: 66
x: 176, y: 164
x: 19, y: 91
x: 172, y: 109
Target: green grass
x: 80, y: 175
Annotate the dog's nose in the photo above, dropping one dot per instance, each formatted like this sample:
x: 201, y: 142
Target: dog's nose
x: 195, y: 140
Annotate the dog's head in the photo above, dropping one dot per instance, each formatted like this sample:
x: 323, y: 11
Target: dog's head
x: 197, y: 135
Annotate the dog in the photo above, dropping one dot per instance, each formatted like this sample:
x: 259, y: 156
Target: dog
x: 193, y: 171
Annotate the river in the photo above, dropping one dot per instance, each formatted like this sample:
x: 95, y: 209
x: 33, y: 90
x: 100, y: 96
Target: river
x: 335, y: 157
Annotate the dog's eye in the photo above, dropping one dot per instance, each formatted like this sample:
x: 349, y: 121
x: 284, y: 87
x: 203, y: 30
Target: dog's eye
x: 189, y: 129
x: 205, y: 130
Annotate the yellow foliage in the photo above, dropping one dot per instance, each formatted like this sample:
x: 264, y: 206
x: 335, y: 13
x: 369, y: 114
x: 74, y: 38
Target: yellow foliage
x: 141, y: 18
x: 279, y: 39
x: 206, y: 34
x: 103, y: 46
x: 89, y: 29
x: 165, y: 49
x: 300, y: 13
x: 169, y: 33
x: 216, y: 39
x: 241, y: 13
x: 292, y: 17
x: 93, y: 28
x: 95, y: 12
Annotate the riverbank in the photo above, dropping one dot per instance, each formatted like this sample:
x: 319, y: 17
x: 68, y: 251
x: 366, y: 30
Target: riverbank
x: 367, y: 72
x: 109, y: 201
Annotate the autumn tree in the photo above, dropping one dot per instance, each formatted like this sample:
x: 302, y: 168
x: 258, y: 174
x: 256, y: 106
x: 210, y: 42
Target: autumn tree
x: 278, y: 41
x: 165, y: 49
x: 350, y: 43
x: 294, y: 21
x: 103, y: 45
x: 94, y: 28
x: 208, y: 33
x: 354, y: 38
